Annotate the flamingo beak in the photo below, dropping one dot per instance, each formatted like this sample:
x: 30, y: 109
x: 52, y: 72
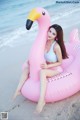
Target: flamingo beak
x: 34, y: 15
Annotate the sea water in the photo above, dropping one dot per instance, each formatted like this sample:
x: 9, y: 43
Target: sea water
x: 13, y: 16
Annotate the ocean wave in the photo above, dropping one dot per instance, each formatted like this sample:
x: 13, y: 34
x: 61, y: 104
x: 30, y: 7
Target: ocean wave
x: 17, y: 37
x: 13, y: 37
x: 66, y: 13
x: 49, y: 5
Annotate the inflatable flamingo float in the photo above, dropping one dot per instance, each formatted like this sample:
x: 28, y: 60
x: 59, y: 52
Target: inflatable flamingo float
x: 62, y: 85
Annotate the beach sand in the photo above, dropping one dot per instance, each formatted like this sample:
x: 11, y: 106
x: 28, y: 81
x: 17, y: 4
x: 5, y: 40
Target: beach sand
x: 11, y: 60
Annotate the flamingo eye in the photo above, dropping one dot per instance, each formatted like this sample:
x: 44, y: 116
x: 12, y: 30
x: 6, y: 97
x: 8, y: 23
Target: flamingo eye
x: 43, y: 13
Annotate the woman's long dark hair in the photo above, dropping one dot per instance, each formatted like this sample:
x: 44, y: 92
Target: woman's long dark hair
x: 60, y: 41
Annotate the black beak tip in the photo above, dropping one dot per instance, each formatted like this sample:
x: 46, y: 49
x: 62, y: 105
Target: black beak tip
x: 27, y: 28
x: 28, y: 24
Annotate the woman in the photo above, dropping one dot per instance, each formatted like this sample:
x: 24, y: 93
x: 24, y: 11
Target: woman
x: 54, y: 53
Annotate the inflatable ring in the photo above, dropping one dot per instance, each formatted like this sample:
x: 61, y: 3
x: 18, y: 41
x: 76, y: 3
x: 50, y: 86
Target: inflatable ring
x: 60, y: 86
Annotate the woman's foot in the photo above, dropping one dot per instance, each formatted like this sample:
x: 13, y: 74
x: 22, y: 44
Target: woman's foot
x: 39, y: 107
x: 16, y: 94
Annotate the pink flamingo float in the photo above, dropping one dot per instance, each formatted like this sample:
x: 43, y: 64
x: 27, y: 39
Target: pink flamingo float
x: 62, y: 85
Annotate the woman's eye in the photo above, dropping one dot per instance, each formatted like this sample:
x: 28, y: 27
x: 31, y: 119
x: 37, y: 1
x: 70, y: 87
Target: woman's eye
x: 53, y: 33
x: 50, y: 30
x: 43, y: 13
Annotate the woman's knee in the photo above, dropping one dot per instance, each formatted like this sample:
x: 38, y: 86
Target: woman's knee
x: 43, y: 72
x: 26, y: 70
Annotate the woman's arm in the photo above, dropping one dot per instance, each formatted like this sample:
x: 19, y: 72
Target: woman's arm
x: 57, y: 50
x: 26, y: 63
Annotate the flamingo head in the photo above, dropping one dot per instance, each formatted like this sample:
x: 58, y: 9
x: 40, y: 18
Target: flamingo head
x: 38, y: 14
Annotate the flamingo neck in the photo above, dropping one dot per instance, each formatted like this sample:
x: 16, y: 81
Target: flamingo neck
x: 42, y: 34
x: 43, y: 26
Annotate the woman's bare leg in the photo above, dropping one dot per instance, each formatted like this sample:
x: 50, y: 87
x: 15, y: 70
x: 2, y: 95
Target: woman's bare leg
x: 41, y: 101
x: 43, y: 83
x: 24, y: 77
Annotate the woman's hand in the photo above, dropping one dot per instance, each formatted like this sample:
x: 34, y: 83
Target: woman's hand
x: 44, y: 66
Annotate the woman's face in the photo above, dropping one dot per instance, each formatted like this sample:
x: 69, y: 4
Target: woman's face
x: 52, y: 34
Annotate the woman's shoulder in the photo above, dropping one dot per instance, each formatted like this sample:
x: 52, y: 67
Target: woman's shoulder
x: 57, y: 46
